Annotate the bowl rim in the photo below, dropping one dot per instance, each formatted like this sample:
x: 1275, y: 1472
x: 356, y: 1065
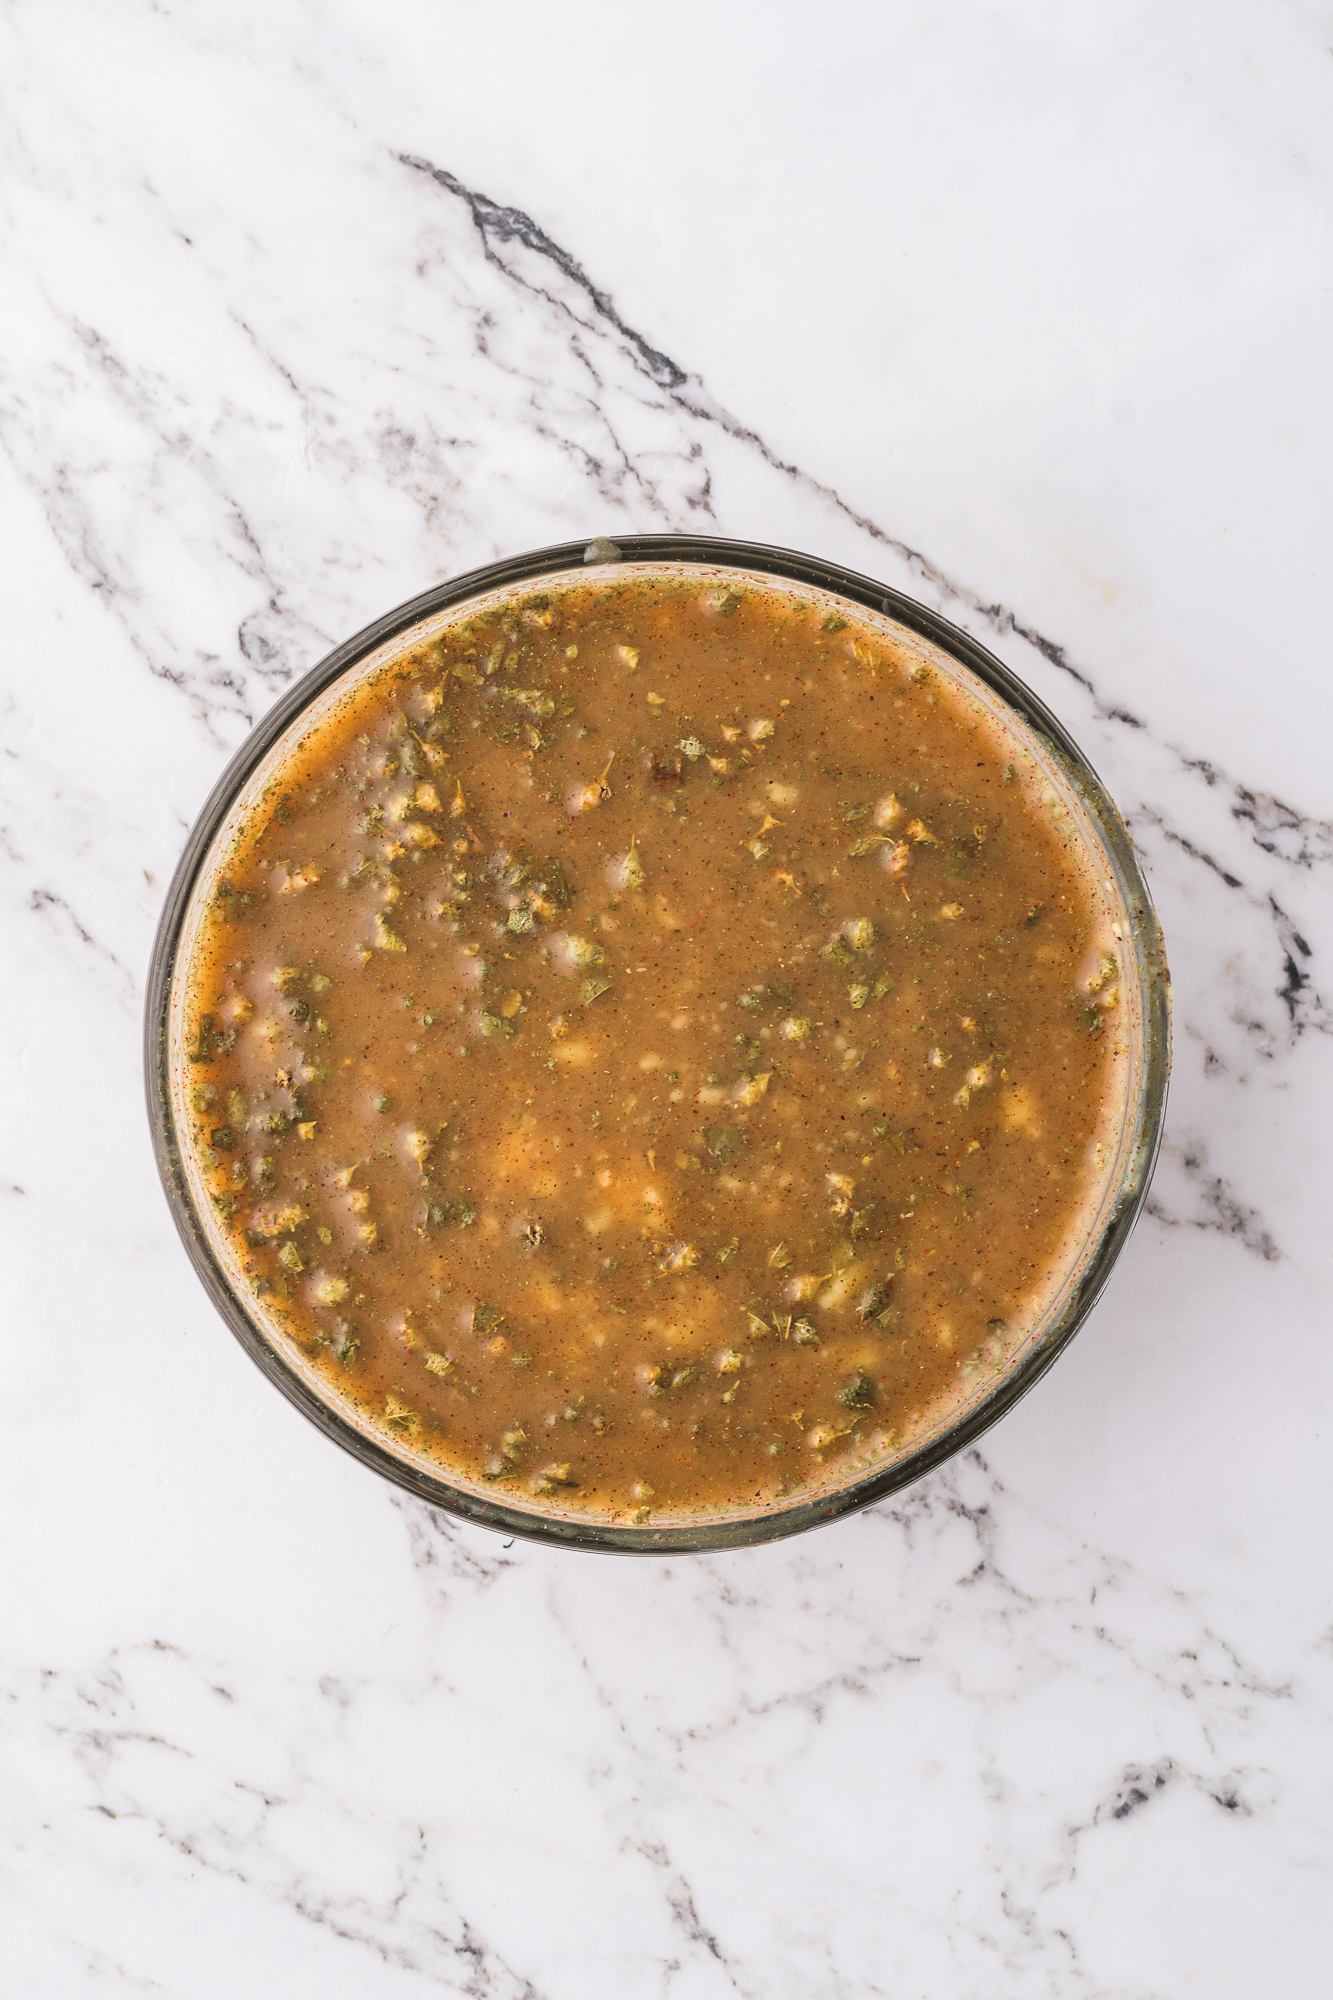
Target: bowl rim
x: 1154, y: 981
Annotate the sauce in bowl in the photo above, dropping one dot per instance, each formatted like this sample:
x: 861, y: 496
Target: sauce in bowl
x: 654, y: 1046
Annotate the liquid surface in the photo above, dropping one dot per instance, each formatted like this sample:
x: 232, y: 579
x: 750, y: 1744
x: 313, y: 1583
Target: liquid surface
x: 654, y: 1047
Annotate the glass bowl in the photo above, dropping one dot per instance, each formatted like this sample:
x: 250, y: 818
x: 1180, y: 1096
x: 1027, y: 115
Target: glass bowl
x: 1145, y: 987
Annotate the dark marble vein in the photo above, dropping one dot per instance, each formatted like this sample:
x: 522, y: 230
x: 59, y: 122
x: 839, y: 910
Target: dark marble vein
x: 63, y: 919
x: 1223, y: 1213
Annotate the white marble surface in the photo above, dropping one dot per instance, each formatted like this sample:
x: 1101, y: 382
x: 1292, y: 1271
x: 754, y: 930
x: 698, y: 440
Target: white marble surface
x: 1025, y: 310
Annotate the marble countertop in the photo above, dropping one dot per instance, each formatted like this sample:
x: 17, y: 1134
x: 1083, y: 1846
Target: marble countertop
x: 1025, y: 312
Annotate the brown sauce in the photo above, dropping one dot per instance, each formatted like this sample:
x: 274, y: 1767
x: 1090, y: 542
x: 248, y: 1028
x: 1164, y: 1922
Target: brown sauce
x: 654, y: 1046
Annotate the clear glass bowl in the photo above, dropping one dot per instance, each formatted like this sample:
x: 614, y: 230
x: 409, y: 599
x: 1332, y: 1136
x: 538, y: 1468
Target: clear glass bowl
x: 1145, y: 986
